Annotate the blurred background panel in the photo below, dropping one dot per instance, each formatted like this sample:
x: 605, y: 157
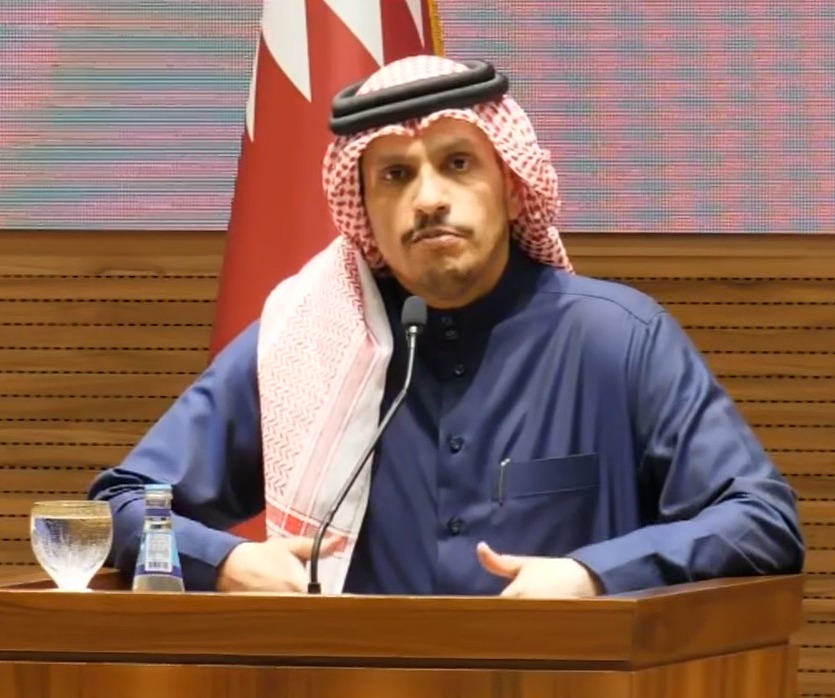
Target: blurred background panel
x: 661, y: 116
x: 122, y: 114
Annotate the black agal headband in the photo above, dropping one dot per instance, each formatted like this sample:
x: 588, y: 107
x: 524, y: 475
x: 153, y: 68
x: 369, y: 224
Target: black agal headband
x: 352, y: 113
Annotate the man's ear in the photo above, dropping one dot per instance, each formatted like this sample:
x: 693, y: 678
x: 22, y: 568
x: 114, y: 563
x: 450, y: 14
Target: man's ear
x: 512, y: 194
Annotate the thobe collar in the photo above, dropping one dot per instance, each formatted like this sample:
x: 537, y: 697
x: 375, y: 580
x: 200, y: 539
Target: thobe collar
x: 461, y: 334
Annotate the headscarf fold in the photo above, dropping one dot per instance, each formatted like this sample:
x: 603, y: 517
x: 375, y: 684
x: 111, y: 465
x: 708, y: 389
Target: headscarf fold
x: 325, y: 342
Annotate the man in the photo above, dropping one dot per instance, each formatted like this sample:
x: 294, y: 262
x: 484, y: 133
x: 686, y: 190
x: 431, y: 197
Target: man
x: 561, y: 436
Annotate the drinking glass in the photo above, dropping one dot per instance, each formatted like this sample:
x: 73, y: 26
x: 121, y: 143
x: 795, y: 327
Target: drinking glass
x: 71, y: 540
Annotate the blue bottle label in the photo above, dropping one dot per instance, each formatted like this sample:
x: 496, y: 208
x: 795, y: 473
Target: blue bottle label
x: 158, y: 552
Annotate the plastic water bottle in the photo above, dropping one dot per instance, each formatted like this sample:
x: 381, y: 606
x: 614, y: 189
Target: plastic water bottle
x: 158, y: 565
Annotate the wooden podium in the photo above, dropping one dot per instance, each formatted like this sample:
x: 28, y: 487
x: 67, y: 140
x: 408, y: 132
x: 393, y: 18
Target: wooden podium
x: 719, y: 639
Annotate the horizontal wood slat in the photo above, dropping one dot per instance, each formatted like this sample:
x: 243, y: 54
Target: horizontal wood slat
x: 818, y: 512
x: 819, y: 536
x: 753, y: 315
x: 19, y: 504
x: 119, y: 360
x: 105, y: 312
x: 796, y: 363
x: 820, y: 586
x: 819, y: 609
x: 801, y: 438
x: 92, y: 408
x: 130, y: 287
x: 816, y: 659
x: 804, y: 462
x: 759, y: 252
x: 92, y: 384
x: 780, y: 292
x: 709, y: 267
x: 816, y: 632
x: 14, y: 553
x: 46, y: 479
x: 770, y: 339
x: 129, y: 336
x: 59, y: 456
x: 818, y: 562
x: 79, y: 434
x: 815, y: 487
x: 799, y: 414
x: 773, y: 389
x: 103, y: 253
x: 816, y: 685
x: 16, y: 527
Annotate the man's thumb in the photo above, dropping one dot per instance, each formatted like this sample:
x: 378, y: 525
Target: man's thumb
x: 302, y: 547
x: 500, y: 565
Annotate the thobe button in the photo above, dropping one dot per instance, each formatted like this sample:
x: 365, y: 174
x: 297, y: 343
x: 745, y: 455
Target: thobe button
x: 446, y: 320
x: 451, y: 335
x: 455, y: 526
x: 459, y: 370
x: 455, y: 443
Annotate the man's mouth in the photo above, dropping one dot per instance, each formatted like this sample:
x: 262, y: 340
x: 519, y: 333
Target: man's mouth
x: 435, y: 233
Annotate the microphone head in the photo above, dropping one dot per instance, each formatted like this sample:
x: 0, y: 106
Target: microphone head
x: 413, y: 313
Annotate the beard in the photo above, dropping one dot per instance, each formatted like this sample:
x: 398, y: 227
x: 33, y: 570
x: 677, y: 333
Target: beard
x: 449, y: 281
x: 455, y: 280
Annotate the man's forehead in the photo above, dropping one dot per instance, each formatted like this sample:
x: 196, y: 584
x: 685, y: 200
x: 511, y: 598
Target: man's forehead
x: 443, y: 133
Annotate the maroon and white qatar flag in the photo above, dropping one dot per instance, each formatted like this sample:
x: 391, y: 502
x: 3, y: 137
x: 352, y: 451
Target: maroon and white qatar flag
x: 307, y: 51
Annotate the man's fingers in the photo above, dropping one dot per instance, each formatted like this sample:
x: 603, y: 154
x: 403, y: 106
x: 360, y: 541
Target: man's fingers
x: 330, y: 545
x: 500, y: 565
x: 302, y: 548
x: 297, y: 578
x: 514, y: 590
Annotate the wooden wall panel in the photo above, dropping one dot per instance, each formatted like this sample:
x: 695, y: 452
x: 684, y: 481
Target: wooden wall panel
x: 99, y: 332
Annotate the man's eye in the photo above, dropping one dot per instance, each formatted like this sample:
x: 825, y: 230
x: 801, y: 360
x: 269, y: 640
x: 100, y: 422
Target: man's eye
x: 395, y: 173
x: 460, y: 162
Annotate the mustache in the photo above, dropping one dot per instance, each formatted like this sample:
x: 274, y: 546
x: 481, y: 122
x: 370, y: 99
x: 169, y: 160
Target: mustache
x: 434, y: 229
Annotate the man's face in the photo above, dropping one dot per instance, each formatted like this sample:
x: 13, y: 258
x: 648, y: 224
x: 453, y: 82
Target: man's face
x: 439, y: 206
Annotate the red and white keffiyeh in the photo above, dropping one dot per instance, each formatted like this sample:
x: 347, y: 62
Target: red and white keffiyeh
x: 325, y: 343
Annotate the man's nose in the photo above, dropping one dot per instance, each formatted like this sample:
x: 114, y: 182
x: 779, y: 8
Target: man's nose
x: 431, y: 197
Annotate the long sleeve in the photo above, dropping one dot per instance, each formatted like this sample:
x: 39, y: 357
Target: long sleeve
x: 715, y: 504
x: 208, y: 447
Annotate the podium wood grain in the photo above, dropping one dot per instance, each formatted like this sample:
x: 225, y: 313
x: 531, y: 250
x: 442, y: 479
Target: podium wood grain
x: 754, y: 674
x: 704, y: 640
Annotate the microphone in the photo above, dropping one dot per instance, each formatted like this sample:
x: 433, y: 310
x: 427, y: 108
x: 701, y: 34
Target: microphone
x: 413, y: 320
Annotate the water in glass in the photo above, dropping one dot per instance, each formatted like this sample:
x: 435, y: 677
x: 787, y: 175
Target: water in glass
x: 71, y: 540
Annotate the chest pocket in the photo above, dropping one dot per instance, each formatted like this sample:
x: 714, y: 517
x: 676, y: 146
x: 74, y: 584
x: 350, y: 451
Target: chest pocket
x: 530, y: 478
x: 545, y: 507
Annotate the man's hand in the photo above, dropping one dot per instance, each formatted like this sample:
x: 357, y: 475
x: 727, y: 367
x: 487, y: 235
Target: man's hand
x: 277, y: 564
x: 540, y: 577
